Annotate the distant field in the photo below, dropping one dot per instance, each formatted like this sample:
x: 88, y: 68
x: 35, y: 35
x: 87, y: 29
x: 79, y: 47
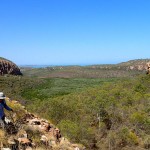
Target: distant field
x: 28, y: 88
x: 79, y: 72
x: 54, y: 87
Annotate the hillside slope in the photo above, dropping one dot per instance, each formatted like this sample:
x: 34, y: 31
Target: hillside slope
x: 106, y: 114
x: 26, y: 131
x: 113, y: 116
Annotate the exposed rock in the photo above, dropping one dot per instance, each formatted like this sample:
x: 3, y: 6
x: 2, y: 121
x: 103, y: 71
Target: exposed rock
x: 44, y: 139
x: 57, y: 134
x: 11, y: 141
x: 8, y: 67
x: 75, y: 145
x: 148, y: 68
x: 28, y: 148
x: 24, y: 141
x: 77, y: 148
x: 45, y: 126
x: 35, y: 121
x: 22, y: 134
x: 49, y: 136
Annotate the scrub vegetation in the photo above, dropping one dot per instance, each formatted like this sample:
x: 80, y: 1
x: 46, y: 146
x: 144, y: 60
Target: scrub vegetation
x: 110, y: 113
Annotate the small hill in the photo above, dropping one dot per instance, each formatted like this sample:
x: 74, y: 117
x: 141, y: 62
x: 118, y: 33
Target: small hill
x: 8, y: 67
x: 137, y: 64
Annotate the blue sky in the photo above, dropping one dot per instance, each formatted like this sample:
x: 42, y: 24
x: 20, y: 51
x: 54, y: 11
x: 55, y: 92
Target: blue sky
x: 74, y: 32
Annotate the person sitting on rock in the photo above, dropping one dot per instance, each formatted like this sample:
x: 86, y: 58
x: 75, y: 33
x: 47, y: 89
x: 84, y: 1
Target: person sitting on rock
x: 2, y: 106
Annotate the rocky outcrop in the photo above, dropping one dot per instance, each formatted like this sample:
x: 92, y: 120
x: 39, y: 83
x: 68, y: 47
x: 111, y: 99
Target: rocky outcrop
x: 8, y: 67
x: 50, y: 136
x: 35, y: 133
x: 148, y: 68
x: 137, y: 65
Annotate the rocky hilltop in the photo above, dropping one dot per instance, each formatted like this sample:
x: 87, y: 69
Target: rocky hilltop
x: 137, y: 64
x: 8, y: 67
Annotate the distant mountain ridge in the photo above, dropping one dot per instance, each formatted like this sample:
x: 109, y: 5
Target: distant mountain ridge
x: 129, y: 63
x: 124, y: 69
x: 8, y: 67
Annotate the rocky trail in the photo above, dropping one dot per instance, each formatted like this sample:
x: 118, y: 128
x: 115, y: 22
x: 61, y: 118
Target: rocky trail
x: 33, y: 133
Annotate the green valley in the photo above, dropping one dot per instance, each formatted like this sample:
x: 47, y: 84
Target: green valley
x: 101, y: 113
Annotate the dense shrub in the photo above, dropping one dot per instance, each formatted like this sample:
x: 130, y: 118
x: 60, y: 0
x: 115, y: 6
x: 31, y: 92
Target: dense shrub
x: 102, y: 114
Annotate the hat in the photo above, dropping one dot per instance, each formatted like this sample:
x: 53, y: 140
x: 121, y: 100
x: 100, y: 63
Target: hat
x: 2, y: 96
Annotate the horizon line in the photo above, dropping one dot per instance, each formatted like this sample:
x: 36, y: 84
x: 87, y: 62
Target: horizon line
x: 84, y: 64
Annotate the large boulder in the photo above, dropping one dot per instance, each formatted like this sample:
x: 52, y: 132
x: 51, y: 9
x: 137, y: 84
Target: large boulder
x: 8, y: 67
